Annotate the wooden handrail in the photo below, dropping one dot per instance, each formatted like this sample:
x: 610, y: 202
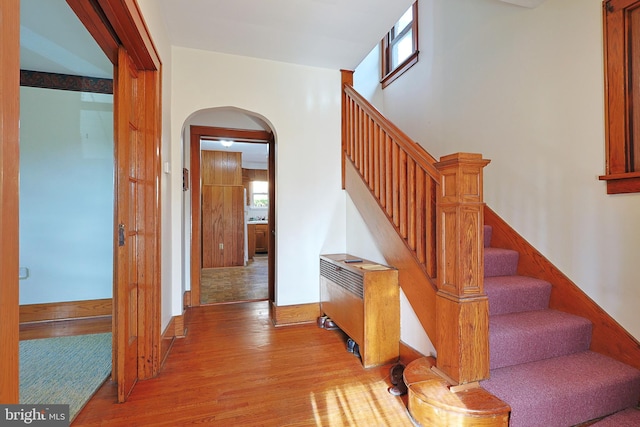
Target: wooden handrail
x: 399, y: 172
x: 436, y: 208
x: 416, y: 151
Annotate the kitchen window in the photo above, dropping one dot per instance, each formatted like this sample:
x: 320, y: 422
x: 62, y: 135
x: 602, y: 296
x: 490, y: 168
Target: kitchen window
x: 260, y: 194
x: 400, y: 46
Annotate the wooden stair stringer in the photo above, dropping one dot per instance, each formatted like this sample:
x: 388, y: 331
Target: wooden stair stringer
x: 608, y: 336
x: 417, y: 286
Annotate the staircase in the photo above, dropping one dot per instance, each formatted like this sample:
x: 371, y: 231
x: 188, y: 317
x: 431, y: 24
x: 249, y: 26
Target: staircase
x: 540, y: 360
x: 512, y: 349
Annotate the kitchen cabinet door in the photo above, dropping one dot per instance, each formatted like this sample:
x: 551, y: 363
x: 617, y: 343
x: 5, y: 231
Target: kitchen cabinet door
x: 262, y: 238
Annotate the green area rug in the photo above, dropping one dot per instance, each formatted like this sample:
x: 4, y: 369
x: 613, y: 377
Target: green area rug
x: 64, y: 370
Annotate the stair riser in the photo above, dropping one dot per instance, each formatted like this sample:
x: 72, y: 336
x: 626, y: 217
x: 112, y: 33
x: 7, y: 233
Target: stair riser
x: 500, y: 262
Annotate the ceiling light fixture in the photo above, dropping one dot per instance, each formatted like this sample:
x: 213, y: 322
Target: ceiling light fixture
x: 226, y: 143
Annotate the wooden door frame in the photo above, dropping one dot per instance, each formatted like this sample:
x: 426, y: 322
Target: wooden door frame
x: 112, y: 23
x: 196, y: 134
x: 9, y: 167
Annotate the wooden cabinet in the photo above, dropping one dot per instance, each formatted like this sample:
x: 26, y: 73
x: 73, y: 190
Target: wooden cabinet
x: 257, y: 239
x: 251, y: 240
x: 222, y: 226
x: 262, y: 238
x: 222, y: 209
x: 363, y: 299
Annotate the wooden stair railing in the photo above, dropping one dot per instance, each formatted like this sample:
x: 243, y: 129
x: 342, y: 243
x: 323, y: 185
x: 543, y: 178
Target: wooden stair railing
x: 435, y: 210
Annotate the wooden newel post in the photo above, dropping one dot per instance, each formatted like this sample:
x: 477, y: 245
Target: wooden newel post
x: 462, y: 308
x: 346, y: 77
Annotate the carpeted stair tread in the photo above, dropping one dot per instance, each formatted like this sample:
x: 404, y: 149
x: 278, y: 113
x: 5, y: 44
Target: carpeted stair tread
x: 533, y: 335
x: 500, y: 262
x: 510, y: 294
x: 628, y: 418
x: 566, y: 390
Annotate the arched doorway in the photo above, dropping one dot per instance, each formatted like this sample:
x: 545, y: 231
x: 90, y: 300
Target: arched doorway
x: 229, y: 124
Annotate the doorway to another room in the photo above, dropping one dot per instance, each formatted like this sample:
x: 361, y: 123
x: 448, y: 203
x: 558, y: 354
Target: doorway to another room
x: 232, y: 193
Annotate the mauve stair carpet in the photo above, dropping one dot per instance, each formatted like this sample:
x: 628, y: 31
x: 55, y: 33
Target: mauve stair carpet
x: 540, y: 359
x: 627, y: 418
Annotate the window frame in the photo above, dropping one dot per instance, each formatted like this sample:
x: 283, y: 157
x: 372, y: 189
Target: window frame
x: 254, y: 193
x: 389, y: 74
x: 621, y: 175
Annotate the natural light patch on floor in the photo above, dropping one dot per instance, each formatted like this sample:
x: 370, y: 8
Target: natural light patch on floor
x: 358, y: 405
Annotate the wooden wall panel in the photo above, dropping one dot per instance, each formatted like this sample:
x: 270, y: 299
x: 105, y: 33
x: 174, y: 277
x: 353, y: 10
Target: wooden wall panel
x: 222, y: 224
x: 221, y: 168
x: 222, y: 209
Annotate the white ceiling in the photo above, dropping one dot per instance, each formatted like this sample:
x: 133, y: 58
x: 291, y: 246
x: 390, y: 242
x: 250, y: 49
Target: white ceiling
x: 52, y: 39
x: 335, y: 34
x: 254, y: 155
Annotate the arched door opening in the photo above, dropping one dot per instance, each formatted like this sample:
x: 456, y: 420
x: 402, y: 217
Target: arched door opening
x: 232, y: 247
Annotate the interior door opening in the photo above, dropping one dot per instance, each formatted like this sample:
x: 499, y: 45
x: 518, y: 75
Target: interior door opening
x: 232, y: 245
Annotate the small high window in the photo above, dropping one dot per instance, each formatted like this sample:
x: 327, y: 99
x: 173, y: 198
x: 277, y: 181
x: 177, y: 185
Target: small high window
x: 400, y: 46
x: 260, y: 194
x: 622, y: 98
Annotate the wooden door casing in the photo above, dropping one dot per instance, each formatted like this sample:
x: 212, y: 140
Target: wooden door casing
x: 130, y: 198
x: 117, y: 24
x: 112, y: 23
x: 195, y: 180
x: 9, y: 165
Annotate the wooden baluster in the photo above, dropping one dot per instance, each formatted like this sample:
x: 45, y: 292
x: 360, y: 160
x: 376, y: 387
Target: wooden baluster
x: 365, y: 148
x: 462, y: 308
x: 395, y: 182
x: 376, y: 161
x: 411, y: 203
x: 361, y: 140
x: 420, y: 216
x: 351, y: 128
x: 383, y: 167
x: 403, y: 202
x: 388, y: 175
x: 346, y: 77
x: 432, y: 223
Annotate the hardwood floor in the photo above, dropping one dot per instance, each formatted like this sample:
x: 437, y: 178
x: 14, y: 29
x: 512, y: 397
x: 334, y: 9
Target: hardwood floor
x: 234, y: 368
x: 233, y: 284
x: 63, y: 328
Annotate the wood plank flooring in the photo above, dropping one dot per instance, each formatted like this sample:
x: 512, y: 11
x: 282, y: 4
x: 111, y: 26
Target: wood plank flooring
x: 235, y: 368
x: 233, y: 284
x: 63, y: 328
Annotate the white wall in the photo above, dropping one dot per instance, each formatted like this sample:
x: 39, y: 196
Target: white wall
x: 302, y: 105
x: 66, y: 195
x: 171, y: 183
x: 524, y: 87
x: 361, y: 243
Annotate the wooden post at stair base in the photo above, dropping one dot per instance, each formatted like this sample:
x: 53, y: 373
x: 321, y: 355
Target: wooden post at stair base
x: 462, y: 308
x: 346, y: 79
